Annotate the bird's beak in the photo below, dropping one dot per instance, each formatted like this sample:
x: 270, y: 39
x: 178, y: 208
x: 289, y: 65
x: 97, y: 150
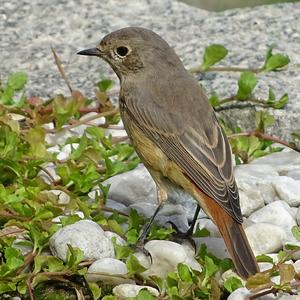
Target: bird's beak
x: 90, y: 52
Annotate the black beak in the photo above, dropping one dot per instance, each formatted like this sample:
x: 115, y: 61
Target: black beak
x: 90, y: 52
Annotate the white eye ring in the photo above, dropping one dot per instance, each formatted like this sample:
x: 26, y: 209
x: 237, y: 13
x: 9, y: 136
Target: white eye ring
x: 121, y: 51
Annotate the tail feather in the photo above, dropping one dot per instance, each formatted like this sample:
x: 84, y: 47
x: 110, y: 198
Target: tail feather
x: 234, y: 237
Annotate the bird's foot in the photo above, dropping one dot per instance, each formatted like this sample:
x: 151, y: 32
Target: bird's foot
x: 179, y: 236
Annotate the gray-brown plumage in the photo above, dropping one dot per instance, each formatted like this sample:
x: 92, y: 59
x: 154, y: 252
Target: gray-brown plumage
x: 175, y: 131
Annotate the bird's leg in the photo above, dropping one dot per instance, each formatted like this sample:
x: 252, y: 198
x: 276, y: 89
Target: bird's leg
x: 178, y: 235
x: 190, y: 231
x: 162, y: 198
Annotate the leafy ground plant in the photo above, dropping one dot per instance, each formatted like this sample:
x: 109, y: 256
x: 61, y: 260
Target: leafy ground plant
x: 40, y: 190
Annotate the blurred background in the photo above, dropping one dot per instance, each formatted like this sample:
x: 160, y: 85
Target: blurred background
x: 217, y: 5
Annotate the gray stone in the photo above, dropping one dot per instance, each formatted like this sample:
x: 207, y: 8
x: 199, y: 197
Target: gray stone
x: 288, y: 190
x: 277, y: 213
x: 295, y: 174
x: 250, y: 198
x: 33, y: 27
x: 265, y: 238
x: 126, y: 290
x: 166, y: 255
x: 85, y: 235
x: 112, y: 271
x: 132, y: 187
x: 215, y: 245
x: 283, y: 162
x: 239, y: 294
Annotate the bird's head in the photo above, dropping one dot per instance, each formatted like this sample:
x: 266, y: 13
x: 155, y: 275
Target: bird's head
x: 132, y: 49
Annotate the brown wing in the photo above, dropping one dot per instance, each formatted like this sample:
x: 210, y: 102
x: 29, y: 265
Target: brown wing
x: 189, y: 134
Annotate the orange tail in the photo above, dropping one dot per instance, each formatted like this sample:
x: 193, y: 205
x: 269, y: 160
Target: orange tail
x: 234, y: 237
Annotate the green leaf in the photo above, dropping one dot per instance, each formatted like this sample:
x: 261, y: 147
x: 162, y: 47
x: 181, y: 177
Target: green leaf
x: 132, y: 236
x: 259, y: 281
x: 95, y: 289
x: 232, y: 283
x: 74, y: 256
x: 287, y: 273
x: 144, y: 294
x: 296, y: 232
x: 271, y: 97
x: 264, y: 258
x: 160, y: 233
x: 134, y: 266
x: 210, y: 266
x: 38, y: 236
x: 109, y: 297
x: 184, y: 272
x: 214, y: 100
x: 246, y: 83
x: 116, y: 227
x: 203, y: 232
x: 225, y: 264
x: 121, y: 251
x: 17, y: 80
x: 263, y: 120
x: 281, y: 103
x: 105, y: 84
x: 276, y: 62
x: 213, y: 54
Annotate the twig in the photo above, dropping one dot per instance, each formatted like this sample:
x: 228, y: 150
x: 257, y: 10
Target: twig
x: 28, y: 260
x: 61, y: 69
x: 262, y: 293
x: 48, y: 173
x: 29, y: 286
x: 199, y: 69
x: 5, y: 214
x: 234, y: 106
x: 119, y: 139
x: 91, y: 118
x: 255, y: 101
x: 19, y: 230
x: 265, y: 137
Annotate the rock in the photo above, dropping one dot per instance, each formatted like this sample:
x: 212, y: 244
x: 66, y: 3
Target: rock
x: 117, y: 206
x: 66, y: 151
x: 297, y: 266
x: 265, y: 238
x: 63, y: 198
x: 216, y: 246
x: 168, y: 18
x: 255, y: 186
x: 239, y: 294
x: 58, y: 138
x: 50, y: 168
x: 277, y: 213
x: 132, y: 187
x: 114, y: 269
x: 282, y: 162
x: 85, y: 235
x: 123, y: 291
x: 289, y: 297
x: 295, y: 174
x: 166, y: 255
x: 288, y: 189
x: 119, y: 240
x: 250, y: 198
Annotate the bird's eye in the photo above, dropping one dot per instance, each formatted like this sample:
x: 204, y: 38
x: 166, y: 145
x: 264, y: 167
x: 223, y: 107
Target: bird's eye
x: 122, y: 51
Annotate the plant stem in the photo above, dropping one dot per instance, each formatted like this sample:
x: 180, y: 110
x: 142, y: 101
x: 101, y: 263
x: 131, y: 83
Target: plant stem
x: 91, y: 118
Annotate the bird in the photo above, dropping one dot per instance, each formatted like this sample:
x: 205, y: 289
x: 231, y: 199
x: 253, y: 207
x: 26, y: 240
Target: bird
x: 175, y: 132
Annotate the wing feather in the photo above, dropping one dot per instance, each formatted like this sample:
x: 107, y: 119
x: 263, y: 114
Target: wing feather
x: 200, y: 149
